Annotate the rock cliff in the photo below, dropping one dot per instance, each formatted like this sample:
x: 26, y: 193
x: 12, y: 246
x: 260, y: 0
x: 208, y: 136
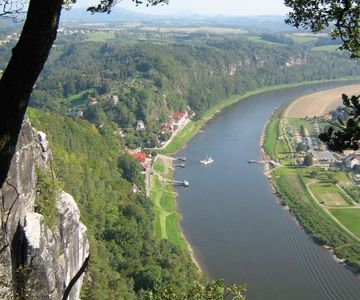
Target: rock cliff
x: 38, y: 261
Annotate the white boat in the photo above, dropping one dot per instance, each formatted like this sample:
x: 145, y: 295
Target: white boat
x: 207, y: 160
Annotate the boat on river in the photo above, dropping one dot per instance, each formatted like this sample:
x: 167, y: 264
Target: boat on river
x: 207, y: 160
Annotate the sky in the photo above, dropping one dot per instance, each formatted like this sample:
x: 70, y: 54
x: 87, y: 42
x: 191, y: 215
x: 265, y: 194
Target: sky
x: 207, y: 7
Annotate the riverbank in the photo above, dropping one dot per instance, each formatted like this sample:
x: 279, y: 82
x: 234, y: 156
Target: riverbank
x: 194, y: 126
x: 308, y: 191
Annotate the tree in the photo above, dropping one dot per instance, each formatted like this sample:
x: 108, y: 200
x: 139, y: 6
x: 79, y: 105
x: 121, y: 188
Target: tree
x: 308, y: 160
x: 27, y: 61
x: 300, y: 147
x: 344, y: 16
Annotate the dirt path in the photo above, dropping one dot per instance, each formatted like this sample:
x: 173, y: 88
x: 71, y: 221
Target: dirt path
x: 320, y: 103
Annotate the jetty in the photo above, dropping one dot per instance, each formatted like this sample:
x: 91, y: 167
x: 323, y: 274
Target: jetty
x: 181, y: 158
x: 272, y: 162
x: 184, y: 183
x: 180, y: 165
x: 253, y: 161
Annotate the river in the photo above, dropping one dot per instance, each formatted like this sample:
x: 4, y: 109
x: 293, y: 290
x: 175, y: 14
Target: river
x: 236, y: 226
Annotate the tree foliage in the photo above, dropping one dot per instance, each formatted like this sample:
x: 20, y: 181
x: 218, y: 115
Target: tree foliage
x: 345, y: 134
x: 105, y: 6
x: 344, y: 16
x: 308, y: 160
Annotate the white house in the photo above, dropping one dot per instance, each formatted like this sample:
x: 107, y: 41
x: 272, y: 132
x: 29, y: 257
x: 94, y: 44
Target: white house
x: 115, y: 99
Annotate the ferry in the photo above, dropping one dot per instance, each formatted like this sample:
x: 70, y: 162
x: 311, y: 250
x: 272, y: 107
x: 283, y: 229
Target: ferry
x: 207, y: 160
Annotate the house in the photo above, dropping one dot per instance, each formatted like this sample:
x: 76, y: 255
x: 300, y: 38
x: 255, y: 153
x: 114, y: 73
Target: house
x: 93, y: 101
x: 144, y: 161
x: 135, y: 188
x: 166, y: 128
x: 115, y: 99
x: 178, y: 118
x: 352, y: 161
x: 140, y: 125
x: 78, y: 113
x: 141, y: 157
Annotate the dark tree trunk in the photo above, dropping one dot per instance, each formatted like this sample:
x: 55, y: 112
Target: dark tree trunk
x: 19, y: 77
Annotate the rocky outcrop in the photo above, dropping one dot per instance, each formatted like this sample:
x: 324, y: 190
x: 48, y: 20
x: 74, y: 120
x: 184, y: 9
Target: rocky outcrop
x: 36, y: 261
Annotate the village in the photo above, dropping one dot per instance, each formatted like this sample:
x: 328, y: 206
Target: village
x: 301, y: 136
x: 176, y: 121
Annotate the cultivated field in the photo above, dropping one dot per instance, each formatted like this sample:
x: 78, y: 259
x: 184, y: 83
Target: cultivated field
x: 320, y: 103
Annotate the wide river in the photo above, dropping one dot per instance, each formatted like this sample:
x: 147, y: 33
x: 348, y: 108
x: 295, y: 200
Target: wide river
x: 236, y: 226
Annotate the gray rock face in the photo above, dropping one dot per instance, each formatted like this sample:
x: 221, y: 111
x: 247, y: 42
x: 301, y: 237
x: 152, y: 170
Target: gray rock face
x: 36, y: 261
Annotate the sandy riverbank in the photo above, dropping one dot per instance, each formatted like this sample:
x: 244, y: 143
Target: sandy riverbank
x: 320, y: 103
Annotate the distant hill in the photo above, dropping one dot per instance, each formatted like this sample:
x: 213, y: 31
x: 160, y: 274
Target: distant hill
x: 274, y: 23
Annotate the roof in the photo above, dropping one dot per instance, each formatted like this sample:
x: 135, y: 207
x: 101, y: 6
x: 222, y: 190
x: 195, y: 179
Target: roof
x: 139, y: 156
x: 178, y: 115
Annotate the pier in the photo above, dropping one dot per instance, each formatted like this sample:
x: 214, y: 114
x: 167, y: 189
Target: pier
x: 272, y: 162
x: 181, y: 158
x: 184, y: 183
x: 180, y: 165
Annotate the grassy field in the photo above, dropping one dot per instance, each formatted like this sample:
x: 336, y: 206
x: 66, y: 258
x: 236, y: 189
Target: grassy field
x: 78, y: 99
x: 308, y: 124
x: 303, y: 38
x: 271, y: 137
x: 164, y: 200
x: 258, y: 39
x: 99, y: 36
x: 327, y: 48
x: 350, y: 218
x: 329, y: 194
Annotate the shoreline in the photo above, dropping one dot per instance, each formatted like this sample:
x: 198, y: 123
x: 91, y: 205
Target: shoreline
x: 191, y: 251
x: 282, y: 112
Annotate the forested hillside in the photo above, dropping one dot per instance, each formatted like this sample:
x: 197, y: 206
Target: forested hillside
x: 154, y: 79
x: 126, y: 258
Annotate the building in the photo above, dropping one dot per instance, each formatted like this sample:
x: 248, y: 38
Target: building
x: 166, y: 128
x: 115, y: 99
x: 78, y: 113
x: 178, y: 118
x: 144, y: 161
x: 93, y: 101
x: 140, y: 125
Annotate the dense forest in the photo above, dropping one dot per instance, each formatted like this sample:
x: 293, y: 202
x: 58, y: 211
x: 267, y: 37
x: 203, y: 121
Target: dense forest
x: 152, y: 79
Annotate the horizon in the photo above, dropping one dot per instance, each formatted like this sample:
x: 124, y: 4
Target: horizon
x: 229, y: 8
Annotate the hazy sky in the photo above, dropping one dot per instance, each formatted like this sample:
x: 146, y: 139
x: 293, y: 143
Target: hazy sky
x: 208, y: 7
